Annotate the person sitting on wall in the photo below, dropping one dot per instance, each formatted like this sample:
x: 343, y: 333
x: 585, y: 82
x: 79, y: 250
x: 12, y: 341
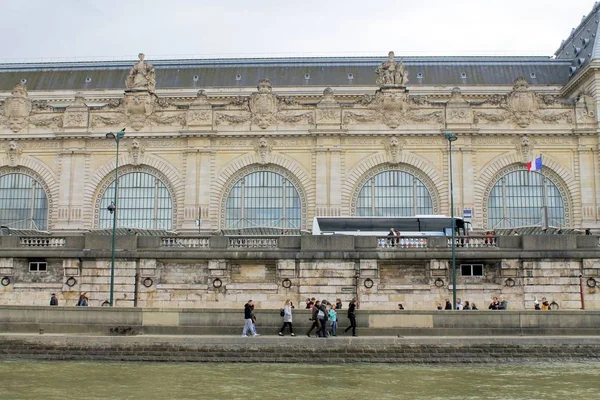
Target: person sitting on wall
x: 309, y: 304
x: 448, y: 305
x: 473, y: 306
x: 400, y: 306
x: 467, y: 305
x: 545, y: 304
x: 83, y: 300
x: 392, y: 240
x: 439, y: 307
x: 503, y: 304
x: 536, y: 305
x: 53, y: 300
x: 338, y: 304
x: 588, y: 232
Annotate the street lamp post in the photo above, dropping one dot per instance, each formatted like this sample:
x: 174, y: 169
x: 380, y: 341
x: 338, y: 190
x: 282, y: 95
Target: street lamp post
x: 452, y: 138
x: 112, y: 207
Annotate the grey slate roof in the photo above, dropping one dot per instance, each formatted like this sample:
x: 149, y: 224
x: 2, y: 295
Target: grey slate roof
x: 288, y: 72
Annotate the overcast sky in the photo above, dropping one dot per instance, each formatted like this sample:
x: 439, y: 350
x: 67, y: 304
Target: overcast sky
x: 115, y: 29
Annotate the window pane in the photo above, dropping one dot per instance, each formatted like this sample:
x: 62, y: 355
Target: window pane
x: 265, y: 199
x: 23, y: 203
x: 143, y: 202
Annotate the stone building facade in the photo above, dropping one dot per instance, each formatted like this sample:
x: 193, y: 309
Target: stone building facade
x: 215, y: 145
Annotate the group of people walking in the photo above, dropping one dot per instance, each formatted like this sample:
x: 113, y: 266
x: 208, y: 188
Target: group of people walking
x: 324, y: 315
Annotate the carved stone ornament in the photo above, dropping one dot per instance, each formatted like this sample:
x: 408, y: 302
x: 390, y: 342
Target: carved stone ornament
x: 138, y: 107
x: 263, y: 150
x: 458, y: 110
x: 391, y: 73
x: 263, y: 105
x: 13, y: 152
x: 200, y: 111
x: 524, y: 147
x: 76, y: 114
x: 585, y: 107
x: 17, y: 108
x: 328, y: 110
x: 392, y: 105
x: 522, y: 103
x: 142, y: 76
x: 393, y: 147
x: 135, y: 151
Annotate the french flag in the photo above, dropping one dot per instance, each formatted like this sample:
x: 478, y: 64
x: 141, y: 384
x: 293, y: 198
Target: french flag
x: 535, y: 165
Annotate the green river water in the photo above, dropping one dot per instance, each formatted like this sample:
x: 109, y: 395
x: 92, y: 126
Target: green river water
x: 103, y: 380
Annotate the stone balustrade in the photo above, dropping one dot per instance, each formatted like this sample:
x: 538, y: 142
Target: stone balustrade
x: 42, y: 241
x: 253, y: 242
x: 402, y: 242
x: 185, y: 242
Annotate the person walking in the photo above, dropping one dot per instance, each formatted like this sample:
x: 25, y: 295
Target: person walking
x: 287, y: 317
x: 314, y: 318
x: 333, y: 319
x: 53, y: 300
x: 352, y: 316
x: 322, y: 316
x: 248, y: 325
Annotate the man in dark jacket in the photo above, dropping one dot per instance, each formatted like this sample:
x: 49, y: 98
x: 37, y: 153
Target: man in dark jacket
x: 53, y: 300
x: 314, y: 318
x: 248, y: 325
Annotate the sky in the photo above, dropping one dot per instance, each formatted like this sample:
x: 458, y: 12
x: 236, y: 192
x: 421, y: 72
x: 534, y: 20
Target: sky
x: 66, y: 30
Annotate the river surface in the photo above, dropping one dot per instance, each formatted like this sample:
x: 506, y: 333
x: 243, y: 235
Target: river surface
x: 104, y: 380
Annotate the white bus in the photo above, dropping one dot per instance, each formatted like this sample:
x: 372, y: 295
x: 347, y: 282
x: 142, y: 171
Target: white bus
x: 419, y: 225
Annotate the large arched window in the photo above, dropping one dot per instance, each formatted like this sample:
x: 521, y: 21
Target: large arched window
x: 143, y: 202
x: 23, y: 203
x: 393, y: 194
x: 263, y: 199
x: 522, y: 198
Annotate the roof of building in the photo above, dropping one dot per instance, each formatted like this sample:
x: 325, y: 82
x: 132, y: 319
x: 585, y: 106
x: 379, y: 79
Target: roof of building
x: 287, y: 72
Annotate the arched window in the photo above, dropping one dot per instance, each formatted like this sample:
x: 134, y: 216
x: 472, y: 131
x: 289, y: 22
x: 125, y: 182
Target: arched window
x: 393, y: 194
x: 143, y: 202
x: 263, y: 199
x: 23, y: 203
x: 520, y: 198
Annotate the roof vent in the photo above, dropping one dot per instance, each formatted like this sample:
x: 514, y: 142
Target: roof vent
x: 572, y: 70
x: 585, y: 41
x: 238, y: 77
x: 463, y: 75
x: 580, y: 61
x: 419, y: 75
x: 350, y: 76
x: 576, y: 50
x: 195, y: 78
x: 88, y: 79
x: 532, y: 75
x: 307, y: 76
x: 23, y: 81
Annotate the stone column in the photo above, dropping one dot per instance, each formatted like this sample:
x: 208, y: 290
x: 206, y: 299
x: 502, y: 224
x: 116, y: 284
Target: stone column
x: 321, y: 181
x: 71, y: 189
x: 191, y: 192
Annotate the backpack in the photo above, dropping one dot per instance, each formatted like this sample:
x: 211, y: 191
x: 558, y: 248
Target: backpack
x: 281, y: 312
x: 321, y: 314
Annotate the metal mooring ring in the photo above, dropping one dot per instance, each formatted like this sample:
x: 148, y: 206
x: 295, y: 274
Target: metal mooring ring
x: 147, y: 282
x: 217, y: 283
x: 510, y: 282
x: 5, y: 281
x: 286, y: 283
x: 439, y: 282
x: 591, y: 282
x: 71, y: 281
x: 368, y: 283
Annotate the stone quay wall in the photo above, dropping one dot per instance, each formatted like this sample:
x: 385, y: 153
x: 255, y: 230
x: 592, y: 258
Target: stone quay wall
x: 299, y: 350
x: 225, y: 272
x: 371, y: 323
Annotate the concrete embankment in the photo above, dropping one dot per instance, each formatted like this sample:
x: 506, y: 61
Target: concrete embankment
x: 271, y: 349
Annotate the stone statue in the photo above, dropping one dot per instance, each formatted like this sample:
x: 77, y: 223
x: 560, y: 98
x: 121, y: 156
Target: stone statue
x: 142, y: 76
x: 391, y: 73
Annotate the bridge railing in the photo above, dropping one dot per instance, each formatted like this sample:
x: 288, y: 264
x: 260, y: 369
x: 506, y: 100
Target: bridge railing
x: 42, y: 242
x: 402, y: 242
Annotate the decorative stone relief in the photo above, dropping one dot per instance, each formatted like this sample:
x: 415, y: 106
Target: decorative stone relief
x: 142, y: 76
x: 585, y: 107
x: 392, y: 107
x: 264, y: 109
x: 391, y: 73
x: 263, y: 105
x: 138, y: 107
x: 76, y: 114
x: 458, y: 110
x: 17, y: 108
x: 200, y: 112
x: 522, y: 107
x: 393, y: 147
x: 524, y: 147
x: 263, y: 151
x: 135, y: 151
x: 13, y: 152
x: 328, y: 110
